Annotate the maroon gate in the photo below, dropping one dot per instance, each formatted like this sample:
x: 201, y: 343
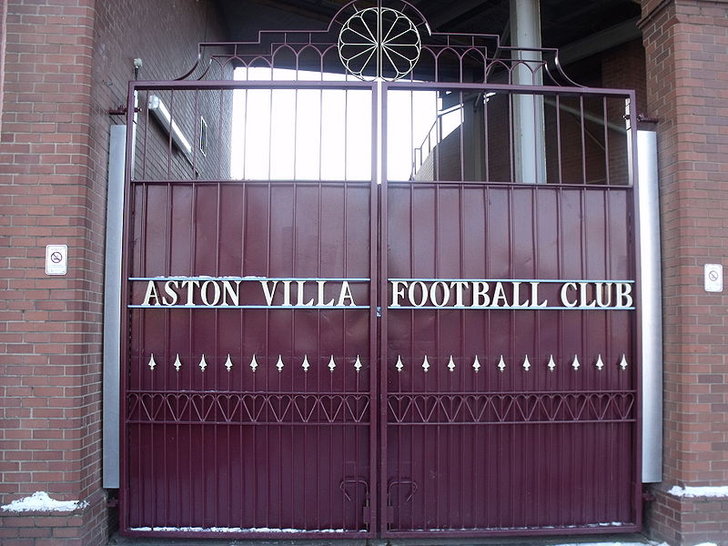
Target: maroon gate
x: 353, y: 312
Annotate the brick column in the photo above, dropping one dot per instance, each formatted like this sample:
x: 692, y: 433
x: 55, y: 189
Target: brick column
x: 50, y: 327
x: 686, y: 44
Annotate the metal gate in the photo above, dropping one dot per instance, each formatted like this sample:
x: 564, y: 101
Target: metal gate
x: 327, y: 340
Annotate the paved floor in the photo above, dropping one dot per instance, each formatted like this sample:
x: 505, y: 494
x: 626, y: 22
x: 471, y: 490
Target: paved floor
x: 601, y: 540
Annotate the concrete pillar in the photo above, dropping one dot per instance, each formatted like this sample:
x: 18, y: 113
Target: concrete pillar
x: 528, y: 114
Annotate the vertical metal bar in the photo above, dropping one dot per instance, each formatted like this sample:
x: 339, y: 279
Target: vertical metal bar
x: 582, y: 123
x: 270, y: 131
x: 379, y: 106
x: 511, y: 138
x: 169, y: 134
x: 414, y: 166
x: 196, y: 128
x: 640, y: 206
x: 462, y: 136
x: 113, y: 287
x: 216, y: 329
x: 321, y: 133
x: 245, y: 126
x: 486, y: 139
x: 606, y: 141
x: 346, y: 134
x: 168, y: 324
x: 558, y: 140
x: 438, y: 139
x: 145, y: 140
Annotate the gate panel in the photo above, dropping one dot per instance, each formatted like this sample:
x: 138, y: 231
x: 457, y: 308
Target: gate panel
x: 534, y: 433
x: 248, y: 401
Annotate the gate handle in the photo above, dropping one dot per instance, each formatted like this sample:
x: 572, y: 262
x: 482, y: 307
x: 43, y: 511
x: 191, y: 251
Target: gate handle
x: 411, y: 483
x: 354, y: 481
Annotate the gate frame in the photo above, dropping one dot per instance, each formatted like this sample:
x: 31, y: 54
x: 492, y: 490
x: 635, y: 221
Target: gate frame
x: 378, y: 286
x: 631, y: 131
x: 371, y: 515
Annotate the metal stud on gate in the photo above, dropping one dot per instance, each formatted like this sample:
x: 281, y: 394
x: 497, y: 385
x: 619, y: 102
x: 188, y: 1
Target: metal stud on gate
x: 551, y: 364
x: 425, y: 364
x: 501, y: 364
x: 575, y: 363
x: 623, y: 362
x: 526, y: 363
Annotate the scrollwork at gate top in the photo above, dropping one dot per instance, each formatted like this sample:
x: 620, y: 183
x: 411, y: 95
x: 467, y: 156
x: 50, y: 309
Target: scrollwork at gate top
x: 369, y: 41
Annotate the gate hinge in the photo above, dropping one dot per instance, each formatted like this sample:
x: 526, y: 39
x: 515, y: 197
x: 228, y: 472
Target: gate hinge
x: 122, y: 111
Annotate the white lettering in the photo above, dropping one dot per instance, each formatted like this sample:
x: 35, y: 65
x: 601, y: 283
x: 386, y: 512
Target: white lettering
x: 345, y: 294
x: 445, y: 293
x: 517, y: 296
x: 269, y: 291
x: 151, y: 293
x: 190, y: 286
x: 299, y: 296
x: 232, y: 291
x: 480, y: 294
x: 534, y: 296
x: 604, y: 291
x: 458, y: 286
x: 171, y: 293
x: 320, y: 301
x: 287, y: 293
x: 423, y: 292
x: 564, y: 300
x: 398, y: 292
x: 204, y: 293
x: 584, y: 297
x: 624, y: 299
x: 499, y: 295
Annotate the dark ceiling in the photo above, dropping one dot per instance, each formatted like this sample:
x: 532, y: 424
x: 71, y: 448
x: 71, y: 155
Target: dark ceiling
x: 564, y: 22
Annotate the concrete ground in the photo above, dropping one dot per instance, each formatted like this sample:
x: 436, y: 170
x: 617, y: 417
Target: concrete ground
x: 601, y: 540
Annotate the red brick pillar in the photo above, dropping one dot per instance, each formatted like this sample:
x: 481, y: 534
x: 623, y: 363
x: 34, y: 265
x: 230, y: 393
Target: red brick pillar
x: 686, y: 44
x: 50, y: 326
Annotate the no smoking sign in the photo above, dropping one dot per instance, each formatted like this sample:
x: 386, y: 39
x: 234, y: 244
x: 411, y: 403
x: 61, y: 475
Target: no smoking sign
x: 56, y: 259
x: 713, y: 277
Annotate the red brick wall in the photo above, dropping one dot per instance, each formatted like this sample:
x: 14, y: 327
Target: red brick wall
x: 67, y: 62
x: 686, y: 44
x: 50, y: 337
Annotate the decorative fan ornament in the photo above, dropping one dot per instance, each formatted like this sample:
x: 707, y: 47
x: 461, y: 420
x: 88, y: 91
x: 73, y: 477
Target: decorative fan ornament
x: 379, y: 43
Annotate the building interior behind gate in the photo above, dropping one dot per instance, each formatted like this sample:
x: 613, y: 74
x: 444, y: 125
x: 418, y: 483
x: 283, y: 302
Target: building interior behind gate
x: 65, y: 69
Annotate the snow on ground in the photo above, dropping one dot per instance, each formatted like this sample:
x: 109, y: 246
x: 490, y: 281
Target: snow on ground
x: 721, y: 491
x: 619, y: 544
x: 41, y: 502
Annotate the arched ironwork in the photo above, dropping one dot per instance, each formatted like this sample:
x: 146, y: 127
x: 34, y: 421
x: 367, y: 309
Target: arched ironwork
x: 395, y: 42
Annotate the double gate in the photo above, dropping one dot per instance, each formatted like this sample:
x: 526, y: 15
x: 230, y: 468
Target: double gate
x: 325, y: 339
